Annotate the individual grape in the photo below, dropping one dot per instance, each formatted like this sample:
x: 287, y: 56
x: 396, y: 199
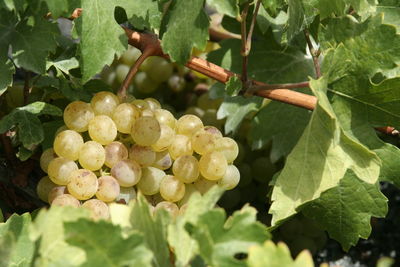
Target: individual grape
x: 121, y: 71
x: 141, y: 104
x: 163, y: 116
x: 181, y: 145
x: 146, y: 131
x: 144, y: 84
x: 195, y: 111
x: 204, y: 141
x: 47, y: 156
x: 213, y: 165
x: 171, y: 189
x: 108, y: 75
x: 108, y: 189
x: 183, y: 209
x: 92, y: 156
x: 190, y: 189
x: 213, y: 130
x: 160, y: 68
x: 83, y: 184
x: 147, y: 112
x: 205, y: 102
x: 149, y: 183
x: 66, y: 200
x: 104, y: 103
x: 228, y: 147
x: 67, y: 144
x: 43, y: 188
x: 230, y: 179
x: 98, y: 209
x: 115, y: 151
x: 176, y: 83
x: 143, y: 155
x: 126, y: 194
x: 186, y: 169
x: 77, y: 116
x: 203, y: 185
x: 163, y: 160
x: 124, y: 116
x: 60, y: 169
x: 55, y: 192
x: 153, y: 103
x: 130, y: 56
x: 127, y: 172
x: 102, y: 129
x: 170, y: 207
x: 165, y: 140
x: 188, y: 124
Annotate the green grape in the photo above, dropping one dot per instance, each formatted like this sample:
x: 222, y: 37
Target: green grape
x: 165, y: 140
x: 163, y: 116
x: 263, y: 170
x: 55, y: 192
x: 188, y: 125
x: 67, y: 144
x: 204, y: 141
x: 104, y: 103
x: 144, y: 84
x: 160, y: 68
x: 92, y: 156
x: 108, y: 75
x: 121, y: 71
x: 210, y: 117
x: 213, y: 165
x: 66, y: 200
x: 203, y: 185
x: 98, y: 209
x: 147, y: 113
x: 171, y: 189
x: 245, y: 174
x: 77, y: 116
x: 170, y: 207
x: 141, y: 104
x: 146, y: 131
x: 230, y: 179
x: 126, y: 195
x: 124, y: 117
x: 195, y: 111
x: 127, y: 172
x: 186, y: 169
x: 83, y: 184
x: 60, y: 169
x: 153, y: 103
x: 176, y: 83
x: 213, y: 130
x: 149, y: 183
x: 114, y: 152
x: 143, y: 155
x: 190, y: 189
x: 47, y: 156
x: 181, y: 145
x: 163, y: 160
x: 205, y: 102
x: 130, y: 56
x: 228, y: 147
x: 102, y: 129
x: 44, y: 187
x: 108, y: 189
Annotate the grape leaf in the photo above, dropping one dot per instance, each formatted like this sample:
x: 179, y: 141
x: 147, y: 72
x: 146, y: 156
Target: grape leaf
x: 272, y: 123
x: 233, y: 86
x: 184, y: 246
x: 272, y: 255
x: 101, y: 38
x: 220, y: 241
x: 187, y: 27
x: 144, y: 14
x: 391, y: 11
x: 153, y: 229
x: 60, y: 8
x: 16, y: 248
x: 108, y: 248
x: 345, y: 210
x: 235, y: 110
x: 320, y: 160
x: 6, y: 75
x: 226, y: 7
x: 300, y: 16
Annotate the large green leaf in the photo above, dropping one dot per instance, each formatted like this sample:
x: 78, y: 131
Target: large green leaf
x: 301, y: 14
x: 320, y: 160
x: 391, y: 11
x: 16, y: 248
x: 101, y: 38
x: 60, y: 8
x: 220, y: 241
x: 226, y: 7
x: 104, y: 245
x: 345, y: 211
x: 142, y: 14
x: 187, y: 27
x: 6, y: 75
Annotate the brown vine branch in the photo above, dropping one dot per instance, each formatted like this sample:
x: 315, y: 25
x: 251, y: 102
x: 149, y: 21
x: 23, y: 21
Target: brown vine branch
x: 250, y: 34
x: 243, y: 31
x: 314, y: 53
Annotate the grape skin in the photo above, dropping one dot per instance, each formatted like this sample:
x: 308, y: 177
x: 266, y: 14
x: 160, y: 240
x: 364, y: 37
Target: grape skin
x: 104, y: 103
x: 163, y: 160
x: 67, y: 144
x: 55, y: 192
x: 126, y: 194
x: 43, y: 188
x: 228, y: 147
x: 163, y: 116
x: 108, y: 189
x: 213, y: 165
x: 146, y: 131
x: 92, y: 156
x: 102, y: 129
x: 141, y: 104
x: 124, y: 117
x: 127, y: 172
x: 83, y: 184
x: 149, y: 183
x: 203, y: 185
x: 188, y: 125
x: 130, y: 56
x: 60, y: 169
x: 186, y: 169
x: 121, y: 71
x: 143, y: 155
x: 66, y: 200
x: 153, y: 103
x: 181, y: 145
x: 204, y: 141
x: 77, y: 116
x: 230, y: 179
x: 171, y: 189
x: 47, y: 156
x: 165, y: 140
x: 114, y: 152
x: 98, y: 209
x: 170, y: 207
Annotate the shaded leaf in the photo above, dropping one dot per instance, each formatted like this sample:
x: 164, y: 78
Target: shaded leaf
x: 60, y: 8
x: 6, y: 75
x: 226, y: 7
x: 233, y: 86
x: 144, y: 14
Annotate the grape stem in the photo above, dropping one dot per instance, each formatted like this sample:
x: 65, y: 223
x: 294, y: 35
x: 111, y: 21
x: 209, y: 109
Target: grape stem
x: 243, y: 30
x: 314, y: 53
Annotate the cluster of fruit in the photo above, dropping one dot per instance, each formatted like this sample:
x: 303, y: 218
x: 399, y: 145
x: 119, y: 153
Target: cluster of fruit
x: 108, y: 150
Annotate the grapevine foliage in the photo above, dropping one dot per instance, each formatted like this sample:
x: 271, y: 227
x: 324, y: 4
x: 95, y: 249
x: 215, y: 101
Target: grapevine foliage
x: 334, y: 157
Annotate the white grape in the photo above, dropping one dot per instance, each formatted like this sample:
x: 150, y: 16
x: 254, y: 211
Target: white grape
x: 102, y: 129
x: 163, y: 160
x: 188, y: 125
x: 124, y: 116
x: 186, y: 168
x: 115, y: 151
x: 149, y: 183
x: 228, y: 147
x: 77, y: 116
x: 163, y: 116
x: 98, y: 209
x: 92, y: 156
x: 127, y: 172
x: 66, y: 200
x: 180, y: 145
x: 230, y: 179
x: 67, y: 144
x: 171, y: 189
x: 146, y: 131
x: 104, y: 103
x: 55, y: 192
x: 165, y: 140
x: 47, y: 156
x: 83, y: 184
x: 170, y: 207
x: 108, y: 189
x: 44, y: 187
x: 213, y: 165
x: 143, y: 155
x: 60, y: 169
x: 126, y: 194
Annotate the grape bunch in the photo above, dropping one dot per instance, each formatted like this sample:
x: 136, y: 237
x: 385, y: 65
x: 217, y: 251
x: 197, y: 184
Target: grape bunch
x: 109, y: 150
